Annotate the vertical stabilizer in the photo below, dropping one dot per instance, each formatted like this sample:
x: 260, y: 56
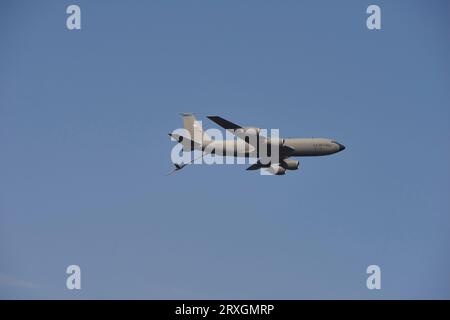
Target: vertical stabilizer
x: 195, y: 128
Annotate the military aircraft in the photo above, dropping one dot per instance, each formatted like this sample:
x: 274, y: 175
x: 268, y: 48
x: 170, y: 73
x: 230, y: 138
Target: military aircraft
x: 271, y: 154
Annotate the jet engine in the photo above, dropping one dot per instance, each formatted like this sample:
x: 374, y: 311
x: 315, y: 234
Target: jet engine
x: 249, y: 131
x: 277, y: 170
x: 290, y: 164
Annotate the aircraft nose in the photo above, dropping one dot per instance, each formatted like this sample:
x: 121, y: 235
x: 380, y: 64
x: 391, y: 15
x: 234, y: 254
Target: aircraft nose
x: 341, y: 146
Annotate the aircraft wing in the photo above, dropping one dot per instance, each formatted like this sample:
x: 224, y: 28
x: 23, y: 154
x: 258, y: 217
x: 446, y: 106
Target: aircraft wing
x: 233, y: 128
x: 228, y: 125
x: 255, y: 166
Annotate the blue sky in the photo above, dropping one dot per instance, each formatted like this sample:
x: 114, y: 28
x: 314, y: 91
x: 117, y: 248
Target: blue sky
x: 84, y: 117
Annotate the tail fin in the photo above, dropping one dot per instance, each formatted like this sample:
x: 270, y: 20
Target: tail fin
x: 195, y: 128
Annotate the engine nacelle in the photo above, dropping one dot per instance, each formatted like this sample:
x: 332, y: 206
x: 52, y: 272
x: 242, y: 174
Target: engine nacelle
x: 290, y: 164
x: 276, y: 170
x: 249, y: 131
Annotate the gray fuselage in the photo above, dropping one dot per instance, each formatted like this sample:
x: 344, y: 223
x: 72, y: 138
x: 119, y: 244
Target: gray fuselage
x: 290, y: 147
x: 310, y: 147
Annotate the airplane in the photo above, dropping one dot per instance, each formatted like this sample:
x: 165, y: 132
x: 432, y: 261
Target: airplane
x: 250, y: 143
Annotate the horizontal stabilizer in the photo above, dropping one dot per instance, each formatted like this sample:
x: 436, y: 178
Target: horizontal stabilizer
x: 188, y: 144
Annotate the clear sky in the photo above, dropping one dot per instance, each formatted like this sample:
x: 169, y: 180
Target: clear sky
x: 84, y: 117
